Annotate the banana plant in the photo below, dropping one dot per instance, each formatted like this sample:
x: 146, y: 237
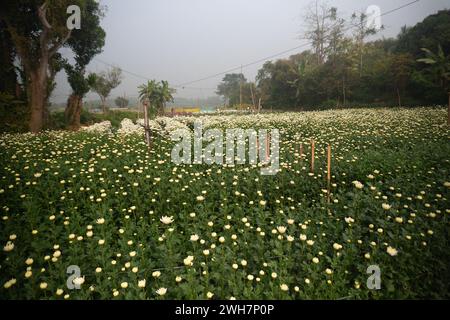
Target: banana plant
x: 440, y: 68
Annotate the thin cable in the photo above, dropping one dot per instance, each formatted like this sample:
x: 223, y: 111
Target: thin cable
x: 288, y: 50
x: 184, y: 85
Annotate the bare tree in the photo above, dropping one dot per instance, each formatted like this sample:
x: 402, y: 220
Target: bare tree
x: 361, y: 31
x: 322, y: 25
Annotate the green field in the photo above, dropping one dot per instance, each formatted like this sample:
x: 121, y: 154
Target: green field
x: 97, y: 200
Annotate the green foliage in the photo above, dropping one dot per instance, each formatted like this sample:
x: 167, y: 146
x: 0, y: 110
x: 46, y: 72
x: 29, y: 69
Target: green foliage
x: 13, y: 114
x: 121, y: 102
x: 231, y: 89
x: 439, y: 66
x: 345, y: 71
x: 102, y: 83
x: 116, y: 116
x: 157, y: 94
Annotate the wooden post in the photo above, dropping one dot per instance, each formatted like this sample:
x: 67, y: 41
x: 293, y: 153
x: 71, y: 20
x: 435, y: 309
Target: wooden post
x: 301, y: 150
x: 253, y: 98
x: 328, y: 172
x: 257, y: 148
x: 147, y: 126
x: 313, y: 146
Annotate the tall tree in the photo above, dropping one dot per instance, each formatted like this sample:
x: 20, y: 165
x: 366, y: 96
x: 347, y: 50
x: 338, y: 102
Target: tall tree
x: 361, y: 31
x: 322, y: 24
x: 38, y: 30
x: 85, y: 43
x: 103, y: 83
x: 230, y: 88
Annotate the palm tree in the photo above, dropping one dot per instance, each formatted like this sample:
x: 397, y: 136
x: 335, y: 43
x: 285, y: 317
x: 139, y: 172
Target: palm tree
x: 158, y: 94
x: 165, y: 95
x: 440, y: 69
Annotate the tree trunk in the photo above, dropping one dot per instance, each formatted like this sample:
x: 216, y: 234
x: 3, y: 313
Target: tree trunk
x: 103, y: 105
x: 399, y: 98
x: 343, y: 91
x: 37, y: 97
x: 73, y: 112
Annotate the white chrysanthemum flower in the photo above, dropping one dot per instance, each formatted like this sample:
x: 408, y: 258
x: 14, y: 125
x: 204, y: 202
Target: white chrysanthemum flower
x: 281, y: 229
x: 166, y: 220
x: 392, y: 251
x: 78, y: 281
x: 161, y: 291
x: 156, y: 274
x: 8, y: 284
x: 357, y: 184
x: 189, y: 261
x: 9, y: 246
x: 284, y: 287
x: 141, y: 283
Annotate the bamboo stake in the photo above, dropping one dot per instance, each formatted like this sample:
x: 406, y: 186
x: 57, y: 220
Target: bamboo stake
x: 313, y: 147
x: 328, y: 171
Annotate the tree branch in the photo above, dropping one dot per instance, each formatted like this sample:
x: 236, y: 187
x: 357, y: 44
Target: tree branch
x: 57, y: 46
x: 42, y: 11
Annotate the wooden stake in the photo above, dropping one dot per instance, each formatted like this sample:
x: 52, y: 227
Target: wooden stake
x: 147, y: 126
x: 301, y: 150
x: 257, y: 146
x: 313, y: 146
x: 329, y: 171
x: 267, y: 146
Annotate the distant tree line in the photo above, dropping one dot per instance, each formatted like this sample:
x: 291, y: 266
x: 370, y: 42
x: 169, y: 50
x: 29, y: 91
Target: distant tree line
x: 343, y: 69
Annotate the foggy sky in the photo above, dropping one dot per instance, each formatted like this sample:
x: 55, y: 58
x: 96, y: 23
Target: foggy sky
x: 185, y: 40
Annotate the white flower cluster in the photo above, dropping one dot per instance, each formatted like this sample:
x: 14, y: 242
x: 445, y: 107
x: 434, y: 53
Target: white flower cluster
x: 164, y: 125
x: 128, y: 127
x: 102, y: 127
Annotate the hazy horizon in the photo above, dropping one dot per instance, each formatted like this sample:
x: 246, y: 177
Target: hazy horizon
x: 181, y: 41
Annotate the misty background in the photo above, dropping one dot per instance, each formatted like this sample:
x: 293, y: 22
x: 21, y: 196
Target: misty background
x: 182, y: 41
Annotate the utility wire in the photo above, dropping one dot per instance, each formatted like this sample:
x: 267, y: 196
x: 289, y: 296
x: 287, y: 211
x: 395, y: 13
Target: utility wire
x: 185, y: 84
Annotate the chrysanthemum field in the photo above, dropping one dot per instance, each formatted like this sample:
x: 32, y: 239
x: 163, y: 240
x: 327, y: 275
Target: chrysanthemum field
x: 140, y: 227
